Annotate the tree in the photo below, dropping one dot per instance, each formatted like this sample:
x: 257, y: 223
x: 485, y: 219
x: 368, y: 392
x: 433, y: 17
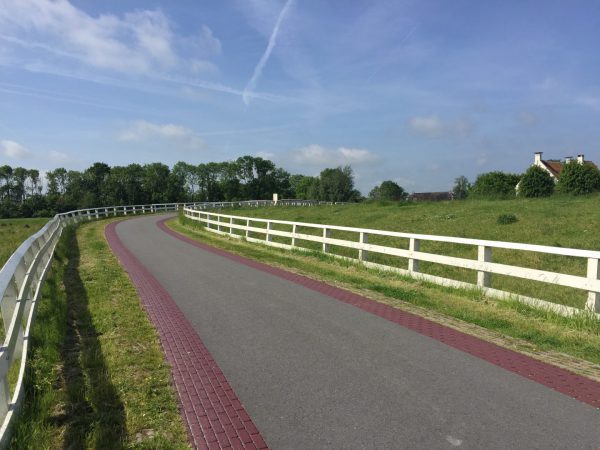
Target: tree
x: 155, y: 182
x: 461, y: 188
x: 388, y: 190
x: 536, y: 182
x: 94, y: 178
x: 495, y: 185
x: 337, y: 185
x: 578, y: 179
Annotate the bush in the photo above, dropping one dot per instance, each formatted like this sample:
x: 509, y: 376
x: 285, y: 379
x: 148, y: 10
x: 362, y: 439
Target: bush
x: 505, y: 219
x: 536, y: 182
x: 495, y: 185
x: 579, y: 179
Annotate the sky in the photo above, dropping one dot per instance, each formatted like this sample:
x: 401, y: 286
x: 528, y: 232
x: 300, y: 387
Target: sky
x: 418, y: 92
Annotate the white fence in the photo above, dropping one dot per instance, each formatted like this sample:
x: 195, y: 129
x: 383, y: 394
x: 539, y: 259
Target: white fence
x: 483, y: 265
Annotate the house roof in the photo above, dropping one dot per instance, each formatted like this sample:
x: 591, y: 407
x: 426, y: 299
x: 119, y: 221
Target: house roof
x: 431, y: 196
x: 553, y: 166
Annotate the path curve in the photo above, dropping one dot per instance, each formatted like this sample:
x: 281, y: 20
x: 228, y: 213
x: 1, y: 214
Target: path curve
x: 316, y: 371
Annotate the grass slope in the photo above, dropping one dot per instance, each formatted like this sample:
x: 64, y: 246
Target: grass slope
x: 97, y: 377
x: 558, y: 221
x: 13, y: 232
x: 537, y: 332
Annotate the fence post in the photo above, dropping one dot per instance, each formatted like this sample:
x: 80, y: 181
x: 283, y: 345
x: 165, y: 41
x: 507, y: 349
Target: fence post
x: 363, y: 255
x: 269, y: 237
x: 484, y: 254
x: 326, y: 234
x: 247, y: 226
x: 294, y: 230
x: 414, y: 245
x: 593, y: 272
x: 230, y: 223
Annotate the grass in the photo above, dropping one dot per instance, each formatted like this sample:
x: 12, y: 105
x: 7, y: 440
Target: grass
x: 557, y: 221
x: 97, y: 377
x: 13, y: 232
x: 535, y: 331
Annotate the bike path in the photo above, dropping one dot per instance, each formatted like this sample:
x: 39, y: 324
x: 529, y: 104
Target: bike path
x: 315, y: 372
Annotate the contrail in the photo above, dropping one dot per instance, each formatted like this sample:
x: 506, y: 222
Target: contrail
x: 265, y: 57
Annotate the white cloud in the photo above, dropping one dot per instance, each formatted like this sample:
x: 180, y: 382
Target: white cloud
x: 143, y: 131
x: 589, y: 101
x: 315, y: 155
x: 201, y: 66
x: 208, y: 41
x: 58, y: 157
x: 14, y: 150
x: 137, y: 42
x: 265, y: 155
x: 433, y: 126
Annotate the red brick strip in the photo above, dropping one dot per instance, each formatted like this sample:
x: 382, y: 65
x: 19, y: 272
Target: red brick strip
x: 576, y: 386
x: 214, y: 415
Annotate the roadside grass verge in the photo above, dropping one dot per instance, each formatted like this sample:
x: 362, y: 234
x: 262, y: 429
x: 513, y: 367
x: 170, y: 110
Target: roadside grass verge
x: 97, y: 377
x: 13, y: 232
x: 543, y: 334
x: 558, y: 221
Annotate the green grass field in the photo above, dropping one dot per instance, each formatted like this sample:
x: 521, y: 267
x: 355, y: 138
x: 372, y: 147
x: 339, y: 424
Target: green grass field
x: 13, y: 232
x: 558, y: 221
x: 96, y: 376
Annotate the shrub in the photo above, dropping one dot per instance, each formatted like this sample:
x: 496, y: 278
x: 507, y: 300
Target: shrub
x: 495, y: 185
x: 536, y: 182
x: 578, y: 179
x: 505, y: 219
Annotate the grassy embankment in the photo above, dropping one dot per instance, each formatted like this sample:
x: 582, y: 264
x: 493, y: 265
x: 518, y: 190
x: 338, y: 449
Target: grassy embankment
x: 13, y: 232
x: 566, y: 222
x: 96, y: 376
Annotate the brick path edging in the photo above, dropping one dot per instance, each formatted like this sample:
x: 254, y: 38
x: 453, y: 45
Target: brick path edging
x: 214, y: 416
x: 568, y: 383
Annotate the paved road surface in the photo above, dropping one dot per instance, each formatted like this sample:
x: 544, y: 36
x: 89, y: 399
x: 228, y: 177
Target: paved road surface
x: 314, y: 372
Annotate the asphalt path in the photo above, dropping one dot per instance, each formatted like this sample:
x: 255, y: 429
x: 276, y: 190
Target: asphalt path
x: 314, y: 372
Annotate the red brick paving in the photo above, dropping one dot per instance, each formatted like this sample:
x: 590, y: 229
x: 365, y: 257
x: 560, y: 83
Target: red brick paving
x: 576, y: 386
x: 212, y: 412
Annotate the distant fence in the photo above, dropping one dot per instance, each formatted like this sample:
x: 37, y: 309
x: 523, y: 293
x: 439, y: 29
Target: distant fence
x: 258, y: 203
x: 239, y: 226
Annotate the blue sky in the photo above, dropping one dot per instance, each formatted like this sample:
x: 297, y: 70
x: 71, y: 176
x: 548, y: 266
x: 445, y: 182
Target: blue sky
x: 418, y: 92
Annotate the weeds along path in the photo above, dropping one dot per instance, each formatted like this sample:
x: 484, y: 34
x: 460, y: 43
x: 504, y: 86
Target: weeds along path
x: 313, y: 369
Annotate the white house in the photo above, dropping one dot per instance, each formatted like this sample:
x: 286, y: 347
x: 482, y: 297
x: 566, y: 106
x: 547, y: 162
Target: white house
x: 555, y: 166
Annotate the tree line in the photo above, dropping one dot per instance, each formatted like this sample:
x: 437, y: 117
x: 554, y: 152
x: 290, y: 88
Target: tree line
x: 23, y: 194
